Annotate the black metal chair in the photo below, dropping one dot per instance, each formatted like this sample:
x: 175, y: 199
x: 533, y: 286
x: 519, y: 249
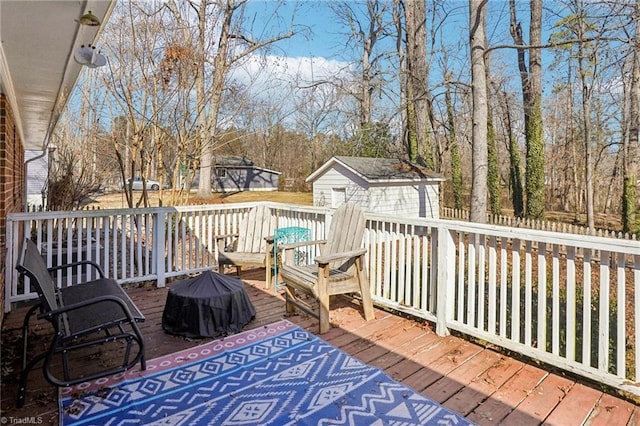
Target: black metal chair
x: 82, y: 315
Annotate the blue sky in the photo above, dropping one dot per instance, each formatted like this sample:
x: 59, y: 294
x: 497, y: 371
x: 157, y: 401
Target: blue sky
x: 319, y: 35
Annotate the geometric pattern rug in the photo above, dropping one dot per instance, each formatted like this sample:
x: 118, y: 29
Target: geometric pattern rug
x: 275, y: 375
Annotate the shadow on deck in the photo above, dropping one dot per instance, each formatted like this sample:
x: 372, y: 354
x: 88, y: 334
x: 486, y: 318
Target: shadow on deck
x: 485, y: 386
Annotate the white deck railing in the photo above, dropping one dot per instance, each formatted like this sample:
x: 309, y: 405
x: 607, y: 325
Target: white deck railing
x: 568, y: 300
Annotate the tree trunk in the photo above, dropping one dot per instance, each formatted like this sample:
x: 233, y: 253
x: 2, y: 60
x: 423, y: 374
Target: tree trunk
x: 586, y: 127
x: 493, y: 171
x: 531, y: 80
x: 456, y: 167
x: 477, y: 39
x: 630, y: 149
x: 515, y: 167
x: 205, y: 119
x: 535, y: 173
x: 417, y: 77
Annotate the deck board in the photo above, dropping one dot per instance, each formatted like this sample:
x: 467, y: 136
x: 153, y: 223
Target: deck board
x: 484, y: 385
x: 612, y: 411
x: 541, y: 401
x: 508, y: 396
x: 576, y: 406
x: 461, y: 376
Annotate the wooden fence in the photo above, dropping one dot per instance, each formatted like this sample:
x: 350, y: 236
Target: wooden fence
x: 540, y: 225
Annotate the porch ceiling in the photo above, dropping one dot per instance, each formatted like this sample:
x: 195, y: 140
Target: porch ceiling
x: 37, y: 69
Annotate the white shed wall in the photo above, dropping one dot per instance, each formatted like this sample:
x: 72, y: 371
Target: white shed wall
x: 339, y: 178
x: 417, y: 200
x: 409, y: 200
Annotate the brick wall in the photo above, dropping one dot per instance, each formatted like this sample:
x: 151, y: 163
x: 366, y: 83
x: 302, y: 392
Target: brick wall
x: 11, y: 182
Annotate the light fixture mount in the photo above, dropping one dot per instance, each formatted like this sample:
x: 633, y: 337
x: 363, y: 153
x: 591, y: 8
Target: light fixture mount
x: 89, y: 19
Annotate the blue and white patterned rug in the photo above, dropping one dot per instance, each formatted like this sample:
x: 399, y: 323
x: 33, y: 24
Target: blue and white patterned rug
x: 276, y: 375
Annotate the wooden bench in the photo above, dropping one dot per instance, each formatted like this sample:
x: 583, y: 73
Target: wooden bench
x: 83, y: 315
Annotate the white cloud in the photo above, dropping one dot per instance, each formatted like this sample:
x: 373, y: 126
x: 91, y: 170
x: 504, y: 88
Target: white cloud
x: 279, y: 76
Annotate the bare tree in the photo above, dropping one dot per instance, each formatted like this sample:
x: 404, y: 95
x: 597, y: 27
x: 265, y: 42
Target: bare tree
x: 233, y: 43
x: 366, y: 29
x: 132, y: 81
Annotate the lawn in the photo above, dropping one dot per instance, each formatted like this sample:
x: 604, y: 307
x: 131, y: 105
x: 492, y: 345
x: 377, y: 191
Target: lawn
x: 118, y: 199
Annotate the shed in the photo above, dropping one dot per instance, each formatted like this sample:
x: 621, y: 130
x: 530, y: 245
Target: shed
x: 379, y: 185
x: 234, y: 173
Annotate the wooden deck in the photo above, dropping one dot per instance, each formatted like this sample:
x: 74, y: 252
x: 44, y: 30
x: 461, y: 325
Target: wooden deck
x: 485, y: 386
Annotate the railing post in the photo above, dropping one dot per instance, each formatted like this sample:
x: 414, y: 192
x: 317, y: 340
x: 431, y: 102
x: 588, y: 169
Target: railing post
x: 159, y: 239
x: 9, y: 282
x: 445, y: 279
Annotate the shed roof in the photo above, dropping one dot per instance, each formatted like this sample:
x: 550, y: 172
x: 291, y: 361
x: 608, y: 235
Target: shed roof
x: 380, y: 169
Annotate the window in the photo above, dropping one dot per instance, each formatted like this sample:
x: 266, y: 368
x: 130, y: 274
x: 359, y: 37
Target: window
x: 338, y: 196
x: 221, y: 173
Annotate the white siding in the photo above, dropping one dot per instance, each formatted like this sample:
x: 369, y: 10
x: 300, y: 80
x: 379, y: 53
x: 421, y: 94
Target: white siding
x: 339, y: 177
x: 36, y: 176
x: 416, y: 200
x: 413, y: 200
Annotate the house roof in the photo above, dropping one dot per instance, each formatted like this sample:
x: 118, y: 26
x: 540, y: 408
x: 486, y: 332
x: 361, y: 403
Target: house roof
x: 239, y: 162
x: 37, y: 66
x: 380, y: 169
x: 233, y: 161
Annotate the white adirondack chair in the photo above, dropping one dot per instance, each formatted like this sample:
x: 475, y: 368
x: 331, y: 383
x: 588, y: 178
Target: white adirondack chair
x: 338, y: 269
x: 252, y: 245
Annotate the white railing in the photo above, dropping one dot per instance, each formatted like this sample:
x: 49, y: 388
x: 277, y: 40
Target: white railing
x: 134, y: 245
x: 568, y: 300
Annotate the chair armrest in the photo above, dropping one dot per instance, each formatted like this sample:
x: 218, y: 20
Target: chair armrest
x: 94, y: 301
x: 225, y: 236
x: 323, y: 260
x: 290, y: 246
x: 73, y: 264
x: 221, y: 241
x: 288, y: 253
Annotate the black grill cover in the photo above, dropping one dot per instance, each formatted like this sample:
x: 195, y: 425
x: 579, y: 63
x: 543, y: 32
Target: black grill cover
x: 209, y: 305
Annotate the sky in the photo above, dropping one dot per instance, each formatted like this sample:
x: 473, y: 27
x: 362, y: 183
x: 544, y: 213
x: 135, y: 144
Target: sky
x: 319, y: 33
x: 319, y: 49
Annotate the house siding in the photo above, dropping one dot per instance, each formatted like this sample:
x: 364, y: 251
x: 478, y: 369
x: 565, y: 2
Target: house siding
x: 11, y: 182
x: 245, y: 179
x: 36, y: 176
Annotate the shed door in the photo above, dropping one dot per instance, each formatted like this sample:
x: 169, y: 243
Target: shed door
x: 338, y: 196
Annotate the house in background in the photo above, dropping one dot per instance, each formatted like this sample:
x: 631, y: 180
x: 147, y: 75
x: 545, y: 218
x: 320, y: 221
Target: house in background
x: 37, y: 169
x: 379, y: 185
x: 234, y: 173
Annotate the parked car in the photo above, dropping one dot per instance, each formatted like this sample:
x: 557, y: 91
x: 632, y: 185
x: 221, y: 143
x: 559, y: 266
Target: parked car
x: 152, y: 184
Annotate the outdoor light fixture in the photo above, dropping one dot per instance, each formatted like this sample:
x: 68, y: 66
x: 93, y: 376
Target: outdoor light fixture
x: 89, y: 19
x: 89, y: 56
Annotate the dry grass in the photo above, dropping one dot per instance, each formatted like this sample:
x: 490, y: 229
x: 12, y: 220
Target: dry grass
x: 118, y: 199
